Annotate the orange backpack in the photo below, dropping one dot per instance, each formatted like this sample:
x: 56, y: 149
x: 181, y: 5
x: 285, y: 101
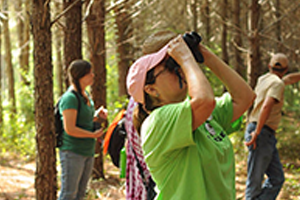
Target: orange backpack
x: 115, y: 137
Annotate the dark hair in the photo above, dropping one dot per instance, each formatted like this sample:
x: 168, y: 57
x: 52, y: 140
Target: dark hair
x: 151, y: 45
x: 78, y: 69
x: 151, y: 103
x: 139, y: 115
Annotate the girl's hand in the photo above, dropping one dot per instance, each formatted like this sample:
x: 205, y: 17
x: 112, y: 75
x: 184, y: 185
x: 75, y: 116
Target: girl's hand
x: 101, y: 113
x: 98, y: 133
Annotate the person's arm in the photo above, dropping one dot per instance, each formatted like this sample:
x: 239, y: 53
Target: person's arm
x: 241, y: 93
x: 69, y: 122
x: 291, y: 78
x: 201, y: 94
x: 263, y: 116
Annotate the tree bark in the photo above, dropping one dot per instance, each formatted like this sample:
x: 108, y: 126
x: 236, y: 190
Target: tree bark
x: 224, y: 32
x: 23, y: 38
x: 206, y: 19
x: 237, y: 59
x: 8, y: 63
x: 254, y: 64
x: 26, y: 42
x: 194, y: 6
x: 278, y: 26
x: 73, y: 34
x: 124, y: 46
x: 45, y: 176
x: 58, y: 51
x: 96, y: 35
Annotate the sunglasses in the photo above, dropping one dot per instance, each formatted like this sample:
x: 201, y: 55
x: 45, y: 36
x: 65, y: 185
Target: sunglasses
x: 155, y: 76
x: 168, y: 66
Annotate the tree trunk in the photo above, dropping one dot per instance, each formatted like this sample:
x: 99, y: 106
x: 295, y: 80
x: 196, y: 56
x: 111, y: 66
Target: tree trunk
x: 8, y: 63
x: 45, y: 178
x: 254, y: 65
x: 58, y: 51
x: 96, y: 35
x: 124, y: 46
x: 26, y: 42
x: 278, y: 27
x: 224, y: 32
x: 206, y: 19
x: 23, y: 37
x: 237, y: 59
x: 73, y: 33
x: 194, y: 6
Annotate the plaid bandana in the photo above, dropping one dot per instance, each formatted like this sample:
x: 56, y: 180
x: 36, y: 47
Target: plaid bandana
x: 135, y: 189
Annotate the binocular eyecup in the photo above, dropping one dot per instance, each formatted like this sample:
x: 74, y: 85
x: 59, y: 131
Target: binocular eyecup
x: 192, y: 40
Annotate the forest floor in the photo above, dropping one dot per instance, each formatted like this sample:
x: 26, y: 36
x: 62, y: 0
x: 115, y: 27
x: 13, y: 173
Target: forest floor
x: 17, y: 182
x: 17, y: 176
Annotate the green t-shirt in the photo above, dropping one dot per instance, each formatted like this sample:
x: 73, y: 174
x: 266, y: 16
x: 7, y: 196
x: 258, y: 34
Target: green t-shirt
x: 81, y: 146
x: 190, y: 165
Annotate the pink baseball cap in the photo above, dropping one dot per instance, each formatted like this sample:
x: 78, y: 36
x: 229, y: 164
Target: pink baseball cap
x: 136, y: 76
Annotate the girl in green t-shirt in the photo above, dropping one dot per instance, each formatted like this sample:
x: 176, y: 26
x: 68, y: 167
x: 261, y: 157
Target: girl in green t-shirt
x: 184, y: 140
x: 78, y: 139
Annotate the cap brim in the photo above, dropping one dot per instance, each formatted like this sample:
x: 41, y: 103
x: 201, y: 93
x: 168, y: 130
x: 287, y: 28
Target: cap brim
x: 137, y: 73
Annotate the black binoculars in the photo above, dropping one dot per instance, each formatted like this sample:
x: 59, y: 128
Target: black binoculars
x: 192, y: 40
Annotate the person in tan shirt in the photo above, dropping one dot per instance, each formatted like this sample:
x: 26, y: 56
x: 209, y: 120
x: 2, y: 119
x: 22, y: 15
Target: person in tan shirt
x: 260, y: 137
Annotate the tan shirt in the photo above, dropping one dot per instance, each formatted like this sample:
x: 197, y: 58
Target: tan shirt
x: 269, y: 85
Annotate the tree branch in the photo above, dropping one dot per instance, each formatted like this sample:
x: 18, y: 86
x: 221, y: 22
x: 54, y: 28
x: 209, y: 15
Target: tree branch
x: 64, y: 12
x: 88, y: 9
x: 45, y: 12
x: 279, y: 19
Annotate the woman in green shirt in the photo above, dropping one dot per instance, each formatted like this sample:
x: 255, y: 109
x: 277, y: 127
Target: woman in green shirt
x: 78, y: 139
x: 183, y: 126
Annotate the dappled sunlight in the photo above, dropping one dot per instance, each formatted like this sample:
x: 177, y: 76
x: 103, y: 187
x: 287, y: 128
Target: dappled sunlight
x: 17, y: 183
x: 17, y: 176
